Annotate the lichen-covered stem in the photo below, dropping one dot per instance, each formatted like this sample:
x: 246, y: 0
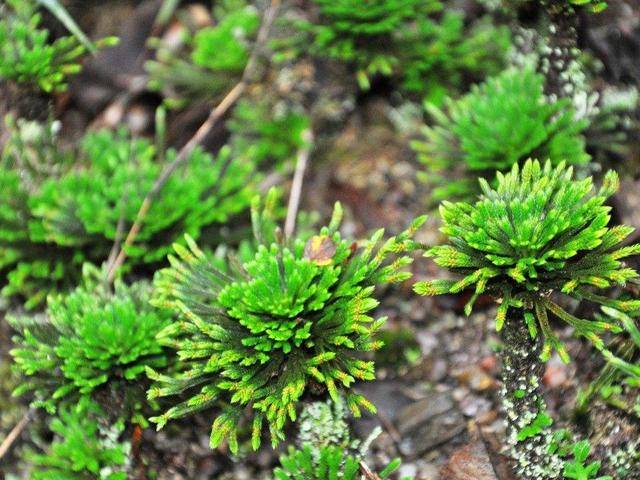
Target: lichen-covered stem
x: 523, y: 401
x: 561, y: 53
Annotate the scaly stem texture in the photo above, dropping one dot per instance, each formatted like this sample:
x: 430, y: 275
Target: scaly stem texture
x: 523, y: 402
x: 562, y: 50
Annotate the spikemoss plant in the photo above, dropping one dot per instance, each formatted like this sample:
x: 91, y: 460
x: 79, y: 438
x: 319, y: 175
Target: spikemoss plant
x: 626, y: 362
x: 539, y: 234
x: 292, y: 319
x: 84, y: 448
x: 501, y: 122
x: 59, y: 216
x: 91, y: 339
x: 412, y: 40
x: 28, y: 57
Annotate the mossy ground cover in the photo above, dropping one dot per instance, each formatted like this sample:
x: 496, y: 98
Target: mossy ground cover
x: 212, y: 236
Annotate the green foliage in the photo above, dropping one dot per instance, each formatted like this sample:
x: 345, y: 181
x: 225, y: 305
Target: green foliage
x: 405, y: 39
x: 578, y: 467
x: 574, y: 457
x: 614, y: 126
x: 64, y: 214
x: 626, y: 362
x: 595, y: 6
x: 58, y: 10
x: 91, y: 338
x: 83, y: 448
x: 292, y: 317
x: 229, y: 36
x: 266, y: 134
x: 538, y: 232
x: 536, y: 427
x: 327, y: 450
x: 441, y: 57
x: 499, y: 123
x: 362, y: 33
x: 331, y: 462
x: 196, y: 70
x: 26, y: 54
x: 622, y: 370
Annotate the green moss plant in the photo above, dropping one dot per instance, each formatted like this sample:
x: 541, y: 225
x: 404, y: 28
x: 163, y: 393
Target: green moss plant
x: 292, y: 318
x: 62, y: 213
x: 267, y: 133
x: 501, y: 122
x: 28, y: 56
x: 92, y: 342
x: 539, y: 234
x: 620, y: 376
x: 84, y: 447
x: 195, y: 70
x: 426, y: 49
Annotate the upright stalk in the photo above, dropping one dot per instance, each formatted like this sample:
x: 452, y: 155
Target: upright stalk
x: 559, y: 58
x: 523, y: 402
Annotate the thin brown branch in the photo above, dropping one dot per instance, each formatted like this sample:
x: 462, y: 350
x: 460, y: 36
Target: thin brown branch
x: 15, y: 432
x: 367, y: 472
x: 296, y: 184
x: 214, y: 117
x: 391, y: 429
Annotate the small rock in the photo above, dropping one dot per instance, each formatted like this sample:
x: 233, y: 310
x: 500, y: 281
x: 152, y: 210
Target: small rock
x: 472, y: 406
x: 476, y: 378
x: 428, y: 471
x: 407, y: 470
x: 556, y: 373
x: 489, y: 364
x: 429, y: 423
x: 420, y: 412
x: 470, y: 462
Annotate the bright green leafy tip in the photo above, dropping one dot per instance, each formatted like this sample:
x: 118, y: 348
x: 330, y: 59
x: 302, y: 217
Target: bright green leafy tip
x: 595, y: 6
x: 536, y: 427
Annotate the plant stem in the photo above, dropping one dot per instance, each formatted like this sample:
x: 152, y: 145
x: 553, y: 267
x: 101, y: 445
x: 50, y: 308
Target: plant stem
x: 523, y: 402
x: 561, y: 53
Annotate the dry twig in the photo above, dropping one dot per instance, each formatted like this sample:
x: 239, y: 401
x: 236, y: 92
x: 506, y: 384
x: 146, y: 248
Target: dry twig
x: 296, y: 185
x: 367, y: 472
x: 15, y: 433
